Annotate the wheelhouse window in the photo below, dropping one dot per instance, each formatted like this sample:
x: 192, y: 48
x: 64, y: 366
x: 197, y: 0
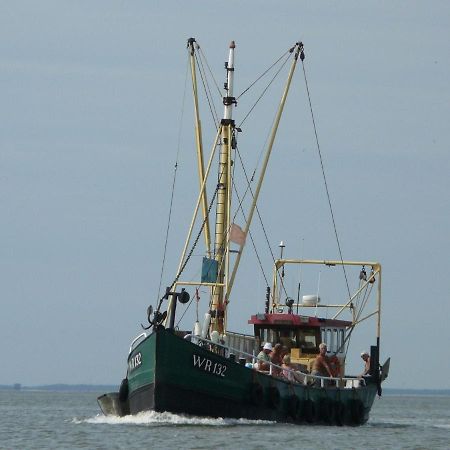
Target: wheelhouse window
x: 334, y: 338
x: 308, y: 339
x: 341, y: 340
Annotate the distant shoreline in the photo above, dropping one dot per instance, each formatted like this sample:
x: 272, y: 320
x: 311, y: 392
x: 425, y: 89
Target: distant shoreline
x: 115, y: 388
x: 62, y: 387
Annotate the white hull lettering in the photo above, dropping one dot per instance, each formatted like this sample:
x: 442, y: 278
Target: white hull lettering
x: 198, y: 361
x: 209, y: 366
x: 135, y: 361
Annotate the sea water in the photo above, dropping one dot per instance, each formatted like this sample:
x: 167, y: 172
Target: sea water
x: 58, y: 420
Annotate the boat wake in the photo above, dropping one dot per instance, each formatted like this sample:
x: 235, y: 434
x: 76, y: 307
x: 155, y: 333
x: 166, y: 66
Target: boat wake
x: 152, y: 418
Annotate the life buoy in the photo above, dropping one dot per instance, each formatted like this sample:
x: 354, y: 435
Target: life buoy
x: 123, y: 390
x: 256, y: 394
x: 294, y: 407
x: 356, y: 411
x: 273, y: 396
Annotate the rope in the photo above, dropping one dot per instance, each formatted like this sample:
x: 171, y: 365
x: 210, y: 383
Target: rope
x: 188, y: 257
x: 264, y: 91
x: 209, y: 69
x: 250, y: 234
x: 325, y: 181
x: 192, y: 248
x: 263, y: 74
x: 214, y: 114
x: 207, y: 91
x: 173, y: 181
x: 260, y: 220
x: 368, y: 291
x: 366, y: 296
x: 185, y: 311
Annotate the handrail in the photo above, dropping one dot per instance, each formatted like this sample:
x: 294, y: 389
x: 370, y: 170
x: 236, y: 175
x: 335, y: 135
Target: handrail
x: 144, y: 334
x: 307, y: 376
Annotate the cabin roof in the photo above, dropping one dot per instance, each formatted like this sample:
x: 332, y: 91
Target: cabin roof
x: 295, y: 320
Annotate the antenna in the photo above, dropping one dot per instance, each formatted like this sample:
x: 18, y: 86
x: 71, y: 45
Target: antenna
x: 299, y: 287
x: 282, y: 246
x: 318, y: 290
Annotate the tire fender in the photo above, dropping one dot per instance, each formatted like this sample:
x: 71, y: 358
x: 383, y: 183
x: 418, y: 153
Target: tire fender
x: 273, y: 396
x: 123, y: 390
x: 256, y: 394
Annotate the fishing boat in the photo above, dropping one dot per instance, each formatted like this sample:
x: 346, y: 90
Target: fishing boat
x: 210, y: 370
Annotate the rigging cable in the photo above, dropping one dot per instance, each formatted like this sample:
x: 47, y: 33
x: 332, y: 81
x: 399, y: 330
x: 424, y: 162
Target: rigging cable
x: 192, y: 250
x: 214, y: 114
x: 209, y: 69
x: 366, y: 296
x: 245, y: 219
x: 251, y: 238
x: 287, y: 54
x: 260, y: 219
x: 368, y: 291
x: 264, y: 91
x: 188, y: 257
x: 207, y: 90
x: 263, y: 74
x: 325, y: 180
x: 174, y: 180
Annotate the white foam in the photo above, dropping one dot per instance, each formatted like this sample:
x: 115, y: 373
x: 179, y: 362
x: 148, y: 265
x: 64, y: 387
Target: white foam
x: 166, y: 418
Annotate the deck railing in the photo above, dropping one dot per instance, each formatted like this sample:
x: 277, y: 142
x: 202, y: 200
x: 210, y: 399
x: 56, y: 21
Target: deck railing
x: 298, y: 376
x: 136, y: 339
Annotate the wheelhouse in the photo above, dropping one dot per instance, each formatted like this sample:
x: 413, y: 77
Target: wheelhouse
x: 301, y: 335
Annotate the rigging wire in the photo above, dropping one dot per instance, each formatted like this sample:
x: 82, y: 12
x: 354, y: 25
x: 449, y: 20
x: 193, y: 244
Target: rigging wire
x: 263, y: 74
x: 214, y: 114
x: 186, y: 310
x: 188, y: 257
x: 249, y: 232
x: 325, y: 181
x: 208, y: 93
x: 249, y: 189
x: 264, y: 90
x: 174, y: 180
x: 366, y: 297
x: 287, y: 55
x: 364, y: 293
x: 207, y: 90
x: 209, y: 70
x: 368, y: 291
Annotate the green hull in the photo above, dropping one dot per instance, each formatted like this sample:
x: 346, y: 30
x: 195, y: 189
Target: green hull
x: 168, y: 373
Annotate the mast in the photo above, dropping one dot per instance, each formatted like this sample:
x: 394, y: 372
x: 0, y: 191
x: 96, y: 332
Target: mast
x: 221, y: 254
x: 199, y: 144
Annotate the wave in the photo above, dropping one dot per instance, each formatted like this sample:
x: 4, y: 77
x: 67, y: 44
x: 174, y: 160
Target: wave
x: 153, y: 418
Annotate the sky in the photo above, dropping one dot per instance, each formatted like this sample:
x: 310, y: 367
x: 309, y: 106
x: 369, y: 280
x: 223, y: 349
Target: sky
x: 92, y: 119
